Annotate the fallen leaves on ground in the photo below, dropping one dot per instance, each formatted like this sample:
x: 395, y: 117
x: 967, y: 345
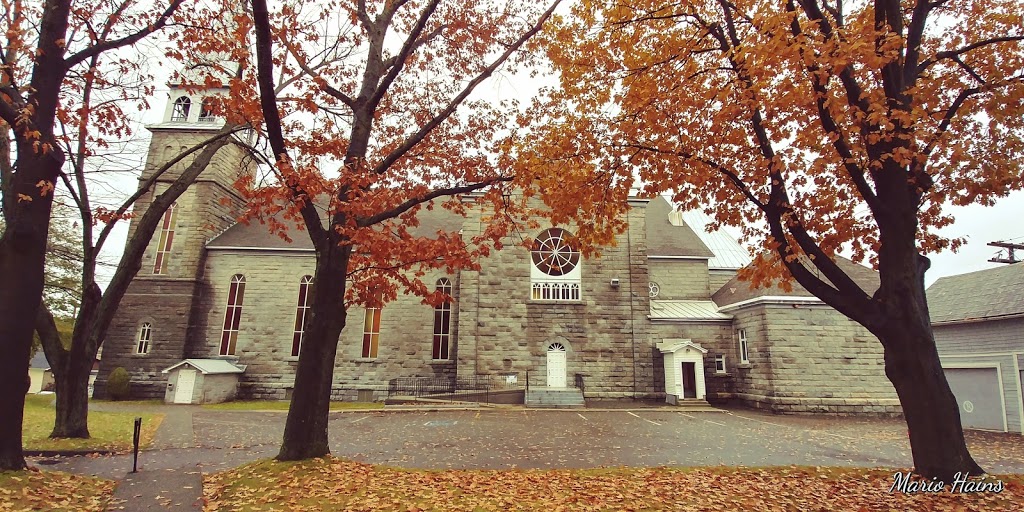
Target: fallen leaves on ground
x: 52, y: 490
x: 332, y: 484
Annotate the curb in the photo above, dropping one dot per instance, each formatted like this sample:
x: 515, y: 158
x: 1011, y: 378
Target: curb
x: 67, y: 453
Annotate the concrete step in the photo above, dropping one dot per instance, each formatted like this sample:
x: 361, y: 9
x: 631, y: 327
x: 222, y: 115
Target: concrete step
x: 554, y: 398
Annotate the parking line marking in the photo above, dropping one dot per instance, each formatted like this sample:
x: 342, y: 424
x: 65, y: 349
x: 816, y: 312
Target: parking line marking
x: 582, y: 416
x: 360, y: 419
x: 687, y: 415
x: 645, y: 419
x: 477, y: 415
x: 716, y: 423
x: 784, y: 426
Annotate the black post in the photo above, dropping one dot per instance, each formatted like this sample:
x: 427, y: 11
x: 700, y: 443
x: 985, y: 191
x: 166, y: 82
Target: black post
x: 135, y: 445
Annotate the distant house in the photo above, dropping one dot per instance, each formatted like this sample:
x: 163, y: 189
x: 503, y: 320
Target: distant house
x: 40, y: 373
x: 978, y: 320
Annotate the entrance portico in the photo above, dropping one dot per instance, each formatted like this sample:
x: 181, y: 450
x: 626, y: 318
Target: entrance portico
x: 684, y: 370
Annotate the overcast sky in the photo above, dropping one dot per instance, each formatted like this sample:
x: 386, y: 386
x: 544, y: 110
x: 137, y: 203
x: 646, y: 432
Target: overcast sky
x: 978, y: 224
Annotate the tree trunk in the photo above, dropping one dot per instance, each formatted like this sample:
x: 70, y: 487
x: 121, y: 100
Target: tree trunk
x: 72, y: 416
x: 929, y: 407
x: 22, y: 253
x: 305, y: 431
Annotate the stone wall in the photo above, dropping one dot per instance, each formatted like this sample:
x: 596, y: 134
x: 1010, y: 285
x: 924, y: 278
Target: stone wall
x: 682, y: 279
x: 807, y: 358
x: 502, y: 330
x: 715, y: 337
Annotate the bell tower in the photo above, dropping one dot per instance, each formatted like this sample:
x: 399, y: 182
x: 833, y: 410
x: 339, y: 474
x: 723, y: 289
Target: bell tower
x: 153, y: 325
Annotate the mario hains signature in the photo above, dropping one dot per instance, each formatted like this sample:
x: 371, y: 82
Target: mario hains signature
x: 905, y: 483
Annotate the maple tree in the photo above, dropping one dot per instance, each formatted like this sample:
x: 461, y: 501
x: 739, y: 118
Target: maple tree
x: 845, y: 126
x: 389, y: 86
x: 45, y: 45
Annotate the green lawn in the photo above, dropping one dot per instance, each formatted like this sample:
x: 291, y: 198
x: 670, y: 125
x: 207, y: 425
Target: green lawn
x: 53, y: 490
x: 109, y: 430
x: 282, y: 405
x: 332, y: 484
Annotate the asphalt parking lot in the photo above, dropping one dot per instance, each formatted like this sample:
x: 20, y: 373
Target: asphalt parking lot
x: 530, y: 438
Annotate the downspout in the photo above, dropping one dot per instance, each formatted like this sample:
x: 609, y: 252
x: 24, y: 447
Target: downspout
x: 632, y: 293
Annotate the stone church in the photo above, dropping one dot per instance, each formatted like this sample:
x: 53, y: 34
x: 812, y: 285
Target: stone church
x: 217, y: 311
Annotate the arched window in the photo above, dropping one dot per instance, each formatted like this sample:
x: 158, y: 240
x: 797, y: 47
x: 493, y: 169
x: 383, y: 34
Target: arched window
x: 232, y: 315
x: 206, y: 111
x: 556, y: 270
x: 443, y: 322
x: 182, y: 105
x: 301, y: 313
x: 163, y: 247
x: 145, y: 338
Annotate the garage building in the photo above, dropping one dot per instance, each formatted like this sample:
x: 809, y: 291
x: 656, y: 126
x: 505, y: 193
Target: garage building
x: 978, y: 320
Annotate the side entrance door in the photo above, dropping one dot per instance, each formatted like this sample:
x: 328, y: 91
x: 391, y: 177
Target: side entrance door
x: 556, y: 365
x: 689, y: 380
x: 186, y: 384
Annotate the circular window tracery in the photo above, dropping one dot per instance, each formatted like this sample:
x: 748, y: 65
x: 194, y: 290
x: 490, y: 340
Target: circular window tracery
x: 653, y: 289
x: 555, y: 252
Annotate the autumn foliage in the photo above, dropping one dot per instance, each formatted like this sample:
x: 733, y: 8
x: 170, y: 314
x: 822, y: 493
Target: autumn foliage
x: 820, y: 128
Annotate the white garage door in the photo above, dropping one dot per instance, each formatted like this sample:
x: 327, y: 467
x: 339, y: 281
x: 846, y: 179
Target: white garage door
x: 977, y: 393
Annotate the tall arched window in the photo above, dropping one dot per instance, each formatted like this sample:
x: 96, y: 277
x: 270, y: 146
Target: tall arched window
x: 301, y: 313
x: 232, y: 315
x: 163, y: 247
x: 443, y: 322
x: 371, y: 333
x: 145, y: 338
x: 182, y: 105
x: 556, y: 270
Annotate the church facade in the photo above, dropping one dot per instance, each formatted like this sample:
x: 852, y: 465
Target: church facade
x: 660, y: 314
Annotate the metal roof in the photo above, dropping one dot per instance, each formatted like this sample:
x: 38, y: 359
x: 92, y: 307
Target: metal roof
x: 982, y: 295
x: 208, y: 366
x: 691, y: 310
x: 729, y: 254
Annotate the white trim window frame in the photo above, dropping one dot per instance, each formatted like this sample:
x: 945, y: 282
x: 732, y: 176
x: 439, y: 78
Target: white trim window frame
x: 741, y: 338
x: 442, y: 340
x: 145, y: 339
x: 181, y: 109
x: 720, y: 363
x: 232, y: 316
x: 555, y: 267
x: 371, y: 333
x: 301, y: 313
x: 166, y: 240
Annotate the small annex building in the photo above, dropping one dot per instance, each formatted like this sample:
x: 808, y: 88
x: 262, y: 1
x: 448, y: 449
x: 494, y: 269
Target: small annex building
x: 202, y: 381
x: 978, y: 321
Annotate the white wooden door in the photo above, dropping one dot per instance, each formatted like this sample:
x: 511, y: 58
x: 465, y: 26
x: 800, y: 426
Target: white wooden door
x: 186, y: 384
x: 556, y: 365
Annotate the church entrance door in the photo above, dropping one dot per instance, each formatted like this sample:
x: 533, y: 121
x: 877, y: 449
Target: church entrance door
x: 556, y: 365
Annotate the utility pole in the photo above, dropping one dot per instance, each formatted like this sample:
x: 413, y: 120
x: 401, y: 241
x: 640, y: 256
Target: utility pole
x: 1010, y: 256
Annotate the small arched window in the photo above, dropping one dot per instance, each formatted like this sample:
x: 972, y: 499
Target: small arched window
x: 232, y: 315
x: 145, y: 338
x: 182, y: 105
x: 443, y: 322
x: 206, y: 111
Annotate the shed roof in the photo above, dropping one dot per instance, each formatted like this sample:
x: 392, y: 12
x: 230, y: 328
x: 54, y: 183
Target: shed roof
x: 210, y: 366
x: 692, y: 310
x: 729, y: 254
x: 39, y: 361
x: 985, y: 294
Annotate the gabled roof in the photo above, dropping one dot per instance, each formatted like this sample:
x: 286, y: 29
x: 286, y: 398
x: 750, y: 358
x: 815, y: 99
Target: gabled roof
x: 666, y: 239
x: 736, y: 291
x: 210, y: 366
x: 255, y: 235
x: 982, y: 295
x: 729, y: 254
x: 686, y: 310
x: 675, y: 345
